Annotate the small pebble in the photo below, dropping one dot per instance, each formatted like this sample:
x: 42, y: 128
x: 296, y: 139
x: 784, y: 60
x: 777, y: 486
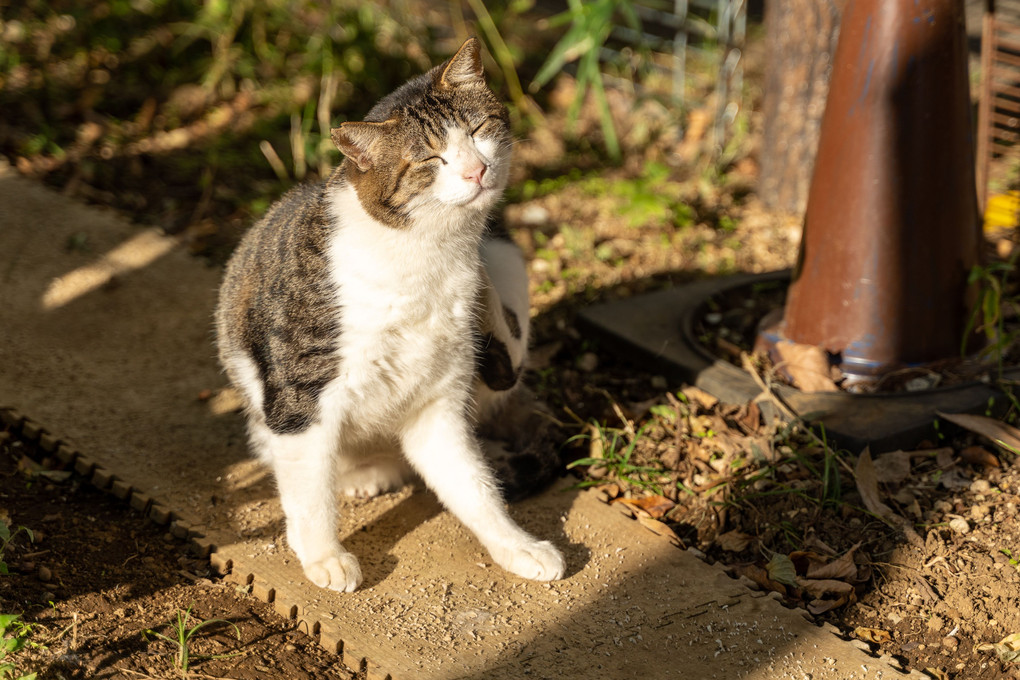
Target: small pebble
x: 979, y: 512
x: 45, y: 574
x: 959, y: 525
x: 980, y: 486
x: 950, y: 642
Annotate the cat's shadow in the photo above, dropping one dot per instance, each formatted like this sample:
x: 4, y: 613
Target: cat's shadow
x: 374, y: 542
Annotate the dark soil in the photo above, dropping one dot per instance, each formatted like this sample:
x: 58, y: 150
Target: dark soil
x: 98, y: 576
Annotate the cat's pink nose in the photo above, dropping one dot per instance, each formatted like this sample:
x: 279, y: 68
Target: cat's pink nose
x: 475, y: 173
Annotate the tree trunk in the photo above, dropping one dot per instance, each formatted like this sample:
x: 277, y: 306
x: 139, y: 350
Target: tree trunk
x: 800, y: 40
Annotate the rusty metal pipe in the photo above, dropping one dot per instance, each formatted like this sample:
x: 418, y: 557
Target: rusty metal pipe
x: 891, y: 230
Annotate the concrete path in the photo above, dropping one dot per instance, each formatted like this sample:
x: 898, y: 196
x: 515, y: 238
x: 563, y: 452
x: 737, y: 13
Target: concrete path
x: 105, y: 347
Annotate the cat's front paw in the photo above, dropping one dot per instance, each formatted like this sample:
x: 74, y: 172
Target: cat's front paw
x: 538, y: 561
x: 340, y: 572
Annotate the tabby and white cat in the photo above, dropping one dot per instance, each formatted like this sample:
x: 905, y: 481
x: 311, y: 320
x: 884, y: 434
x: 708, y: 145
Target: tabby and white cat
x: 371, y: 321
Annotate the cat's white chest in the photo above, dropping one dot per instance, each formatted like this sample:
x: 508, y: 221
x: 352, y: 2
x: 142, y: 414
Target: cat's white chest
x: 405, y: 313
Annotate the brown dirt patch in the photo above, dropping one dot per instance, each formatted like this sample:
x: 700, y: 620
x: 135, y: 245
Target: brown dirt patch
x: 98, y: 575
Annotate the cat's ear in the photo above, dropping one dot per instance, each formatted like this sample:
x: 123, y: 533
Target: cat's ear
x: 358, y: 141
x: 465, y: 68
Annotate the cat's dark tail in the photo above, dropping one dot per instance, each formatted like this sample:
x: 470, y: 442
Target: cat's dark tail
x: 523, y: 446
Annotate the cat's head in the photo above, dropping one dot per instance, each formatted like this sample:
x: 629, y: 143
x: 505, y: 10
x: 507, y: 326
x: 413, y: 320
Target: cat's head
x: 437, y: 146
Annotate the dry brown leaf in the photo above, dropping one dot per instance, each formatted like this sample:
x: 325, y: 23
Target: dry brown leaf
x: 749, y: 417
x: 876, y: 635
x: 820, y: 587
x: 734, y: 541
x: 649, y: 506
x: 843, y: 567
x: 660, y: 529
x: 867, y: 486
x: 979, y: 455
x: 821, y: 605
x: 892, y: 468
x: 700, y: 396
x: 761, y: 577
x: 808, y: 366
x: 1006, y: 436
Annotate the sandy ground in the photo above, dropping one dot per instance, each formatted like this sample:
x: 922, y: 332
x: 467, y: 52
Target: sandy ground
x: 107, y: 349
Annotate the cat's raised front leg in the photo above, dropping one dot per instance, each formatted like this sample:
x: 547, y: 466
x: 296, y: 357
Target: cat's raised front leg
x: 303, y: 464
x: 439, y: 444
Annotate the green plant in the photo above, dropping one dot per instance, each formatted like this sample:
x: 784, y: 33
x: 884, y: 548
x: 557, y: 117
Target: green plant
x: 13, y: 638
x: 182, y: 635
x: 6, y: 536
x: 987, y: 315
x: 614, y: 450
x: 590, y: 26
x: 1013, y: 561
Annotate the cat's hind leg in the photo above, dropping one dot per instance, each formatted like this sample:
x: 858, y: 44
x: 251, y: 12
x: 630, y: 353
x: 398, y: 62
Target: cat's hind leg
x: 439, y: 444
x: 304, y: 466
x: 370, y: 475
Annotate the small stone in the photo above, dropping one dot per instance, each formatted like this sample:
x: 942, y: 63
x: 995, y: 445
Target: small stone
x: 588, y: 362
x: 48, y: 596
x: 943, y: 506
x: 950, y: 642
x: 979, y: 512
x: 980, y: 486
x: 290, y: 647
x: 45, y: 574
x: 959, y: 525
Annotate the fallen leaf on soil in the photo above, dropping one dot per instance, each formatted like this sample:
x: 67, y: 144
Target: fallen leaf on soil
x: 1008, y: 649
x: 892, y: 468
x: 660, y: 529
x: 867, y: 486
x: 876, y: 635
x: 734, y: 541
x: 703, y: 398
x: 1006, y: 436
x: 808, y: 366
x: 821, y: 606
x: 817, y: 566
x: 824, y: 588
x: 651, y: 506
x: 979, y: 455
x: 780, y: 568
x: 761, y: 577
x: 749, y: 417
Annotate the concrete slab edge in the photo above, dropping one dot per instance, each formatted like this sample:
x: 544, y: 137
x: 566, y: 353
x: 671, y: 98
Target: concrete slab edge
x: 326, y: 632
x: 68, y: 456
